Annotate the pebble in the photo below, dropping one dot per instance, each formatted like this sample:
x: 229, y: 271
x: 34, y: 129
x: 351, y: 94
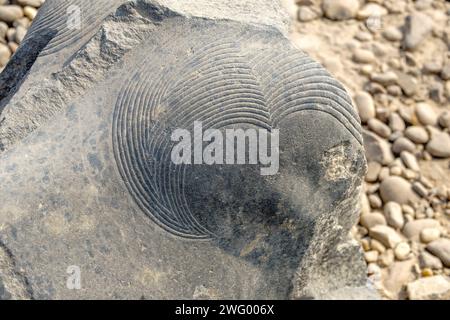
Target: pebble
x: 418, y: 27
x: 393, y: 34
x: 385, y: 79
x: 387, y: 258
x: 372, y: 219
x: 417, y: 134
x: 444, y: 119
x: 373, y: 170
x: 429, y: 288
x: 403, y: 144
x: 413, y: 229
x: 5, y: 54
x: 377, y: 245
x: 340, y: 9
x: 439, y: 145
x: 420, y: 189
x: 363, y: 56
x: 410, y: 160
x: 427, y: 260
x: 402, y: 251
x: 371, y: 256
x: 429, y: 235
x: 10, y: 13
x: 394, y: 215
x: 386, y: 235
x: 398, y: 190
x: 441, y: 249
x: 366, y: 107
x: 379, y: 128
x: 426, y: 115
x: 396, y: 123
x: 377, y: 149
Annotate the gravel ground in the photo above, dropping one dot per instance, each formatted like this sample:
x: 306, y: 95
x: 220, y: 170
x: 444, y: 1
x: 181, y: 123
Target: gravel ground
x: 393, y: 57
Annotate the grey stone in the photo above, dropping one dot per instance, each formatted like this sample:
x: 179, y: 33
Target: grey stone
x: 439, y: 145
x: 418, y: 27
x: 413, y: 229
x: 398, y: 190
x: 88, y: 181
x: 427, y: 260
x: 432, y: 288
x: 377, y: 149
x: 417, y: 134
x: 340, y: 9
x: 441, y: 249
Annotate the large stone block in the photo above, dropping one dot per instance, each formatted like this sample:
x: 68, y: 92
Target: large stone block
x: 86, y: 164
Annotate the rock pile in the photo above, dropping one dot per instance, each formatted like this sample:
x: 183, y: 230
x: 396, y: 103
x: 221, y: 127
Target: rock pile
x: 393, y: 56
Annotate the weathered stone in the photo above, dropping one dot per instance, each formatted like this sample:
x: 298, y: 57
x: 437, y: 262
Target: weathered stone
x: 417, y: 28
x: 441, y: 249
x: 439, y: 145
x: 413, y: 229
x: 97, y: 189
x: 432, y: 288
x: 340, y: 9
x: 373, y: 219
x: 394, y: 215
x: 377, y: 149
x: 365, y: 105
x: 417, y: 134
x: 386, y: 235
x: 427, y: 260
x: 398, y: 190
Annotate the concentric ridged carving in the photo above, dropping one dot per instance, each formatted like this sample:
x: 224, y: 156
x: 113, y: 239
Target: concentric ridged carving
x: 225, y: 82
x: 57, y: 16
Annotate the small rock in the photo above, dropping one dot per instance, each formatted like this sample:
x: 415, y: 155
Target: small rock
x: 385, y: 79
x: 441, y: 249
x: 417, y: 134
x: 363, y: 56
x: 418, y: 27
x: 387, y: 258
x: 394, y: 215
x: 393, y: 34
x: 398, y: 190
x: 377, y: 149
x: 433, y: 67
x: 396, y: 123
x: 430, y: 288
x: 410, y: 160
x: 375, y: 201
x: 413, y: 229
x: 420, y: 189
x: 402, y: 251
x: 365, y: 105
x: 371, y: 10
x: 426, y: 114
x: 403, y: 144
x: 340, y: 9
x: 407, y: 83
x: 373, y: 170
x: 429, y: 235
x: 379, y: 128
x: 444, y: 119
x: 10, y: 13
x: 371, y: 256
x: 386, y: 235
x: 427, y: 260
x: 372, y: 219
x: 377, y: 245
x: 439, y: 145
